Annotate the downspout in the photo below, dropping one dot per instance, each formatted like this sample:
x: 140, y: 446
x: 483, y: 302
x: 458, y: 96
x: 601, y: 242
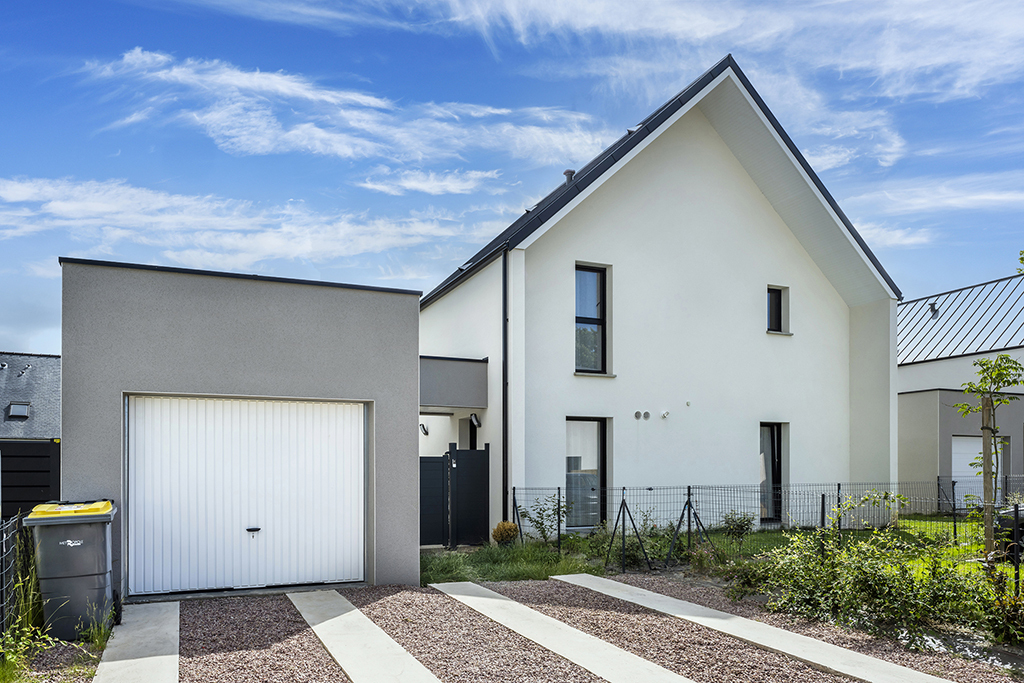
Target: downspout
x: 504, y: 384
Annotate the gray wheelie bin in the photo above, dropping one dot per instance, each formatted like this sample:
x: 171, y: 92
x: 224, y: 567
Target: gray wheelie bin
x: 72, y: 542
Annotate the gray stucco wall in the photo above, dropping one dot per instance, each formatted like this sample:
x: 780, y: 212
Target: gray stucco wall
x: 453, y: 383
x: 128, y: 330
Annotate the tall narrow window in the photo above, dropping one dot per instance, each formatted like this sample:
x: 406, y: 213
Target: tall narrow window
x: 585, y: 464
x: 590, y: 319
x: 775, y: 309
x: 771, y: 472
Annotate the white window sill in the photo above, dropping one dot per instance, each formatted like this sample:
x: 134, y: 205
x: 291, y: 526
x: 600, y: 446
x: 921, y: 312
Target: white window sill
x: 594, y: 374
x: 781, y: 334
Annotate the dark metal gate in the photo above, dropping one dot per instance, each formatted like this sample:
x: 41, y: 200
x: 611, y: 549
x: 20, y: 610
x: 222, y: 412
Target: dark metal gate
x: 30, y: 471
x: 454, y: 497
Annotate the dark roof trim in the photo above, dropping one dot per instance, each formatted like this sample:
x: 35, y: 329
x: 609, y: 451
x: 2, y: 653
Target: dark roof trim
x: 963, y: 355
x: 241, y: 276
x: 960, y: 289
x: 955, y: 391
x: 537, y: 216
x: 34, y: 355
x: 453, y: 358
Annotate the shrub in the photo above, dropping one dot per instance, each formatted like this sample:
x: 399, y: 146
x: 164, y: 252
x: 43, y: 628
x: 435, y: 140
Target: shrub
x: 505, y: 533
x: 737, y: 526
x: 546, y: 515
x: 1005, y: 614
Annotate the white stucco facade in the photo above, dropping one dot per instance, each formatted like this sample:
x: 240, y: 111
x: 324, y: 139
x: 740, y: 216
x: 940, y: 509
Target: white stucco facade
x: 689, y: 242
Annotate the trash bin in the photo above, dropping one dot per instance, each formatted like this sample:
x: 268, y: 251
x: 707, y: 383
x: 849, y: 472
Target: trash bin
x: 72, y: 542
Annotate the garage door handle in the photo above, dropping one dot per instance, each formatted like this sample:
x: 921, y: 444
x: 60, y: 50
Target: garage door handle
x: 253, y: 529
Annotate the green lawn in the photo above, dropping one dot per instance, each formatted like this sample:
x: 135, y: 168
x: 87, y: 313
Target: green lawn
x: 501, y: 563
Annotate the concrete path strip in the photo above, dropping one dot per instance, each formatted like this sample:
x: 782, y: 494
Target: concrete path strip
x: 361, y: 648
x: 818, y: 654
x: 593, y: 654
x: 144, y: 647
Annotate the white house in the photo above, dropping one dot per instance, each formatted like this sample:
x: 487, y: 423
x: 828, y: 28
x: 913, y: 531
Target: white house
x: 690, y: 307
x: 940, y: 338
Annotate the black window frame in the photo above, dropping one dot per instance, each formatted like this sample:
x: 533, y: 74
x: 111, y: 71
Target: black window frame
x: 775, y: 314
x: 601, y: 322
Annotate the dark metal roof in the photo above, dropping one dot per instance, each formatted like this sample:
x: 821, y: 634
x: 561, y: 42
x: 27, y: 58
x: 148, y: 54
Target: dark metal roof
x: 981, y: 318
x: 244, y: 276
x: 30, y: 378
x: 534, y: 218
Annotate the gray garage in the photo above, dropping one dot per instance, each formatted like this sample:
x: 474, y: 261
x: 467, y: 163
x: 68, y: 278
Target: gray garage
x: 253, y: 431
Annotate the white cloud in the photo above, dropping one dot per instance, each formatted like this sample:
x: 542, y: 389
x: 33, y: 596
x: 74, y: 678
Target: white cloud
x: 825, y: 157
x: 200, y: 231
x: 257, y: 113
x: 429, y: 182
x: 879, y: 235
x: 974, y: 192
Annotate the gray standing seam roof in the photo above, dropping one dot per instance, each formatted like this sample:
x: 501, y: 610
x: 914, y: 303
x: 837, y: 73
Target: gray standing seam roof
x: 982, y: 318
x: 535, y: 217
x: 35, y: 379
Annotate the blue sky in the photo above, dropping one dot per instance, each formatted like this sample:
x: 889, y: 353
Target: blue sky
x: 384, y: 142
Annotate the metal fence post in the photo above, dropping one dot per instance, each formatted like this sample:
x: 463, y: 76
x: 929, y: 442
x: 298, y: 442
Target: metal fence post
x: 623, y: 529
x: 689, y: 520
x: 823, y: 511
x: 952, y: 489
x: 558, y: 514
x: 839, y: 506
x: 1016, y: 548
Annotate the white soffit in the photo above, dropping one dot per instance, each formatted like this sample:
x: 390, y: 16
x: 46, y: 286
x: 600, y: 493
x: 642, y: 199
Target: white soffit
x: 770, y: 164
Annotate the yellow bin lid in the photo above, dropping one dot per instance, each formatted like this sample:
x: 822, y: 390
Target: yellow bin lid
x: 71, y: 513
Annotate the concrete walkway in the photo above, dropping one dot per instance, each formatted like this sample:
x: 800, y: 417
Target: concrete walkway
x: 144, y: 648
x: 814, y: 652
x: 593, y: 654
x: 361, y: 648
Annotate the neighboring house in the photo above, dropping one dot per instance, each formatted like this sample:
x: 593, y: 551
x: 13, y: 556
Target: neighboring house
x: 692, y: 306
x: 252, y: 431
x: 29, y: 432
x: 940, y: 338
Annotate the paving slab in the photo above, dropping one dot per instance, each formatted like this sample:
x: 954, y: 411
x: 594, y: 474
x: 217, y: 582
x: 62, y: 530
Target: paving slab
x: 361, y: 648
x: 593, y: 654
x: 818, y: 654
x: 144, y: 647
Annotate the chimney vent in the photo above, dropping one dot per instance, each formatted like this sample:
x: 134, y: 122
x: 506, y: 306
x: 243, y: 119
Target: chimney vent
x: 569, y: 173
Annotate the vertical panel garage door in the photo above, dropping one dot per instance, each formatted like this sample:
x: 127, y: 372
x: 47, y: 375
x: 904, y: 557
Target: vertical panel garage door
x: 203, y: 471
x: 965, y: 450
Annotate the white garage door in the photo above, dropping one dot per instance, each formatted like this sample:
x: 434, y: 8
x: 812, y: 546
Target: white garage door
x: 204, y: 473
x: 965, y: 450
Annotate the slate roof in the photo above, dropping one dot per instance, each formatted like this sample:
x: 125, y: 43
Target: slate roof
x: 536, y: 216
x: 32, y: 378
x: 983, y: 318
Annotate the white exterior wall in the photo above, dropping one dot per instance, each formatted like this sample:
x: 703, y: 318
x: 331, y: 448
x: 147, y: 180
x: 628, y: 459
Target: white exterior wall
x: 466, y: 323
x: 691, y: 245
x: 949, y: 373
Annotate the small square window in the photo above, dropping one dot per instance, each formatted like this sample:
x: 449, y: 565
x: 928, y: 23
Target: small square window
x: 18, y: 410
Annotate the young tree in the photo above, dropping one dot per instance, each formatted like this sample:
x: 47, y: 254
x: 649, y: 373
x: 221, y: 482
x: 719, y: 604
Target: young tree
x: 994, y: 375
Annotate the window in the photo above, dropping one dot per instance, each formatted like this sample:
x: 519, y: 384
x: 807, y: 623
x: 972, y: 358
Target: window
x: 18, y: 410
x: 585, y: 465
x: 778, y: 309
x: 590, y: 320
x: 771, y: 472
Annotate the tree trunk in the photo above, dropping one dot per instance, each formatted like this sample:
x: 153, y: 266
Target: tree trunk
x: 988, y: 501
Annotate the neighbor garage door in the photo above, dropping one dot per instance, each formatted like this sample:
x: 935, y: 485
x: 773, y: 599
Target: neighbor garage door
x: 204, y: 473
x: 965, y: 450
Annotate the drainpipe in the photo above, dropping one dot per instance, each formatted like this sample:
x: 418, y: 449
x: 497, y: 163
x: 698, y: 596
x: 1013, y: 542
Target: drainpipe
x: 504, y: 384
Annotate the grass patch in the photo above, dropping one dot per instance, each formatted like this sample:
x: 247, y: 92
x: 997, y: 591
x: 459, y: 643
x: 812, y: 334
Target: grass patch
x: 501, y: 563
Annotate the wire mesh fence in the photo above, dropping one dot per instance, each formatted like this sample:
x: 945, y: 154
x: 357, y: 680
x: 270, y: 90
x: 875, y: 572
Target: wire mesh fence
x: 742, y: 521
x: 9, y: 538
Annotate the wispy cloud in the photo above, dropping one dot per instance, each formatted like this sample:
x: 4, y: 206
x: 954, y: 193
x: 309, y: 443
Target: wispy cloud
x: 975, y: 192
x: 200, y: 231
x: 882, y: 236
x: 429, y: 182
x: 250, y: 112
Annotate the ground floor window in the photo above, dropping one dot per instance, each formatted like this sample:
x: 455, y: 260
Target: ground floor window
x: 771, y: 472
x: 585, y: 466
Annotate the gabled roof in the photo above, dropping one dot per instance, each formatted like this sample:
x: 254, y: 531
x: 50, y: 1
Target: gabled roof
x: 30, y: 378
x: 982, y: 318
x: 536, y: 217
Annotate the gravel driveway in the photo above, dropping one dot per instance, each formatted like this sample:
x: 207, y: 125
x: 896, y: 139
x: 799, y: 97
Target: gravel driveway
x: 249, y: 639
x: 937, y: 664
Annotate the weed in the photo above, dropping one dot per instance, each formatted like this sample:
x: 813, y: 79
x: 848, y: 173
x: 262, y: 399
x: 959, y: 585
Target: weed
x: 502, y: 563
